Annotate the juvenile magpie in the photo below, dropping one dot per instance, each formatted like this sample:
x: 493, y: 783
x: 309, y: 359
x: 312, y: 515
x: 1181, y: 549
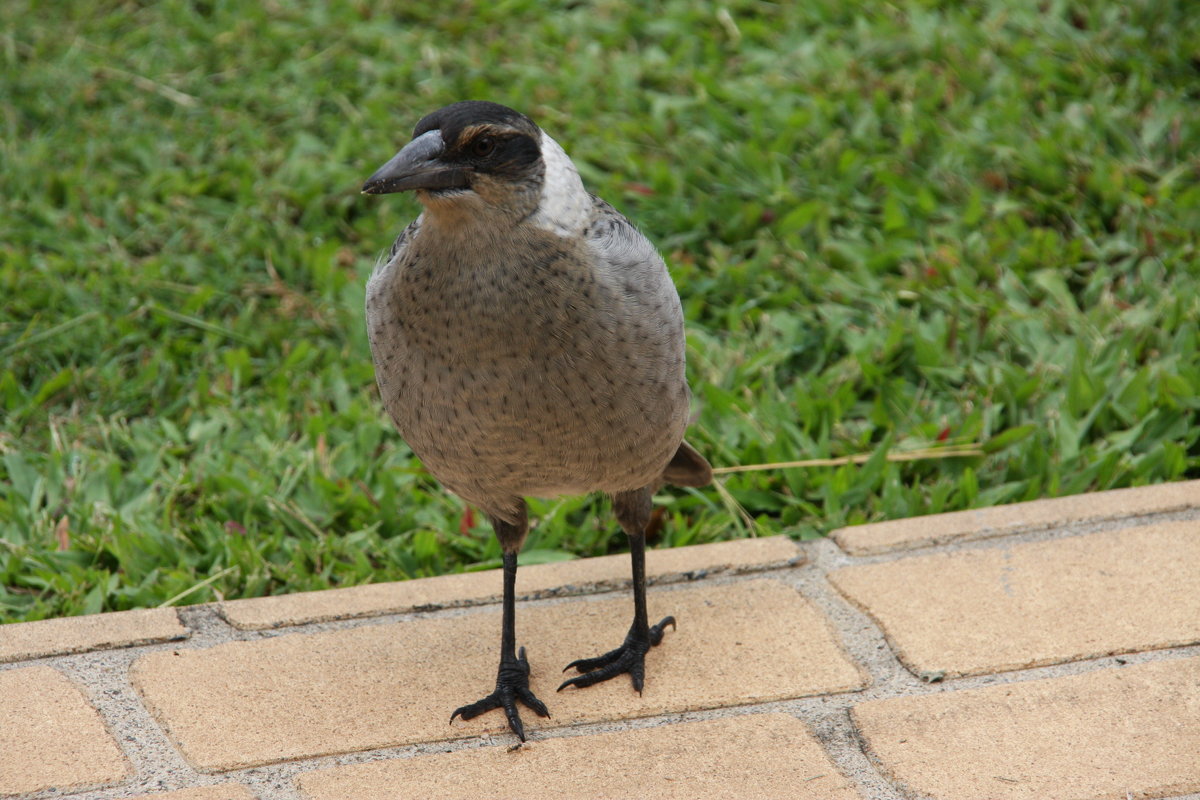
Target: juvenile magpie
x: 528, y: 342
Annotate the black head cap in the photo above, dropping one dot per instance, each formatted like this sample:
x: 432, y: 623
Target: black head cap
x: 452, y: 119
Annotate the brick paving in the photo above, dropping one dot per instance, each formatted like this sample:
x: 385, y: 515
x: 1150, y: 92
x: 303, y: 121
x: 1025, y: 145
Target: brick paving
x: 1108, y: 733
x: 755, y: 755
x: 1040, y: 650
x: 1025, y: 605
x: 224, y: 791
x: 51, y: 736
x: 253, y: 702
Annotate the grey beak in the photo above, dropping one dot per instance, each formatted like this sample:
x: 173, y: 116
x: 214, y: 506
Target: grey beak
x: 417, y: 166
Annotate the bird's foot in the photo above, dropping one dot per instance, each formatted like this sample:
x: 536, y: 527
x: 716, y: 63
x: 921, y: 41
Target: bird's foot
x: 629, y: 657
x: 512, y: 684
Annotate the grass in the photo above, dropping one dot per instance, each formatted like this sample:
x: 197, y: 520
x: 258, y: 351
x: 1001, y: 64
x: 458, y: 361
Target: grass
x: 893, y: 226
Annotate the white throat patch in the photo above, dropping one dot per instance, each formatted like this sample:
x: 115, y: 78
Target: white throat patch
x: 565, y: 204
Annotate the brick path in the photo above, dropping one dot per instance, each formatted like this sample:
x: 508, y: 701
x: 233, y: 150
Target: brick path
x: 1043, y: 650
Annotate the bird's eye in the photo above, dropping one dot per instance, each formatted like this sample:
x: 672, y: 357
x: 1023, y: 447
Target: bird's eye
x: 483, y: 147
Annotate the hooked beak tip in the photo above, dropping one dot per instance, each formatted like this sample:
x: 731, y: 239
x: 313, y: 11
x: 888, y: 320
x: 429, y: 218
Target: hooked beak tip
x: 416, y: 166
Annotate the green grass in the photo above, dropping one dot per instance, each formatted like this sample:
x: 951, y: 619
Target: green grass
x: 893, y: 225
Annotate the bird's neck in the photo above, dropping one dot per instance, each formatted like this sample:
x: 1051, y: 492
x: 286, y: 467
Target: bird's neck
x: 565, y: 205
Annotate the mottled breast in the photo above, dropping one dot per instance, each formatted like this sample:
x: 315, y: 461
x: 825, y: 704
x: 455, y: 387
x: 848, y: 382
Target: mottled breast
x: 524, y: 363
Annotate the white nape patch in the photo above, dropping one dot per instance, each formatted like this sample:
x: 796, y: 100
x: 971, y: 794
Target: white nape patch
x: 565, y: 205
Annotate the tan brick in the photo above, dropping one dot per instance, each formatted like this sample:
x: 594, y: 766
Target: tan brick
x: 879, y: 537
x: 293, y: 696
x: 759, y: 755
x: 478, y: 588
x: 48, y: 637
x: 1026, y: 605
x: 50, y: 736
x: 1115, y: 733
x: 223, y: 791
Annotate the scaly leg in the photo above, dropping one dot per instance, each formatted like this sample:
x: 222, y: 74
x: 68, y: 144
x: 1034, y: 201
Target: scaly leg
x: 512, y: 679
x: 633, y: 512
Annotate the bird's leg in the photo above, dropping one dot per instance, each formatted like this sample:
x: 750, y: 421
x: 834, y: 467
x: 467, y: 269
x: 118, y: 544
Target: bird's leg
x: 633, y: 512
x: 512, y: 679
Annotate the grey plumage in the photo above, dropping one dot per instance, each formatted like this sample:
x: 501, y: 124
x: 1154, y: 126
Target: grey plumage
x: 527, y: 339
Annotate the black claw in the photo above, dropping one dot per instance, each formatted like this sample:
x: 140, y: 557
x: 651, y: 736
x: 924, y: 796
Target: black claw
x: 514, y: 720
x: 589, y: 664
x: 478, y: 707
x: 512, y: 684
x: 527, y: 697
x: 637, y: 675
x: 630, y: 658
x: 657, y: 631
x: 587, y: 679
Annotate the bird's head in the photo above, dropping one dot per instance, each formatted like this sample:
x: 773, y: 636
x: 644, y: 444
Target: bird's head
x: 473, y: 156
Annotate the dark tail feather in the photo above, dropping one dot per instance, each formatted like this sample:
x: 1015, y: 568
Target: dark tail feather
x: 688, y: 468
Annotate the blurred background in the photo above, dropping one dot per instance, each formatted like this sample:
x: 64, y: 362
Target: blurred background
x: 896, y: 227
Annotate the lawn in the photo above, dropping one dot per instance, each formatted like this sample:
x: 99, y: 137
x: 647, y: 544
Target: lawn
x: 894, y: 226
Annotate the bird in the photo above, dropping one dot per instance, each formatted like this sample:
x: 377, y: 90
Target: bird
x: 528, y: 342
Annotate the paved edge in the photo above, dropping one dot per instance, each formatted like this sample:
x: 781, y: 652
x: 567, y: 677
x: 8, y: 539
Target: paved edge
x: 936, y: 529
x: 566, y: 578
x: 21, y: 641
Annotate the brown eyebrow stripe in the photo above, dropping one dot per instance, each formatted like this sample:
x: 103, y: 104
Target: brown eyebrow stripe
x: 473, y: 131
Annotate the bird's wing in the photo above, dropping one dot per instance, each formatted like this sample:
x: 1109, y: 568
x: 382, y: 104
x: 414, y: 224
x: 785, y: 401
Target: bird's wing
x: 403, y: 239
x: 639, y: 272
x: 618, y: 243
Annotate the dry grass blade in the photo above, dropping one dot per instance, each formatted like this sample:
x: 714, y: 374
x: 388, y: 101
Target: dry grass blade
x: 733, y: 505
x: 49, y: 333
x: 966, y: 451
x: 145, y: 84
x: 210, y: 579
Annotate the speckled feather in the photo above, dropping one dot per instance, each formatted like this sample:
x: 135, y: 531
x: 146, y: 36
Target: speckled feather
x: 528, y: 341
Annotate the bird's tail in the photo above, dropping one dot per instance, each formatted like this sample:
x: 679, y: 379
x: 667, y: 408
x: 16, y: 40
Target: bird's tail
x: 688, y: 468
